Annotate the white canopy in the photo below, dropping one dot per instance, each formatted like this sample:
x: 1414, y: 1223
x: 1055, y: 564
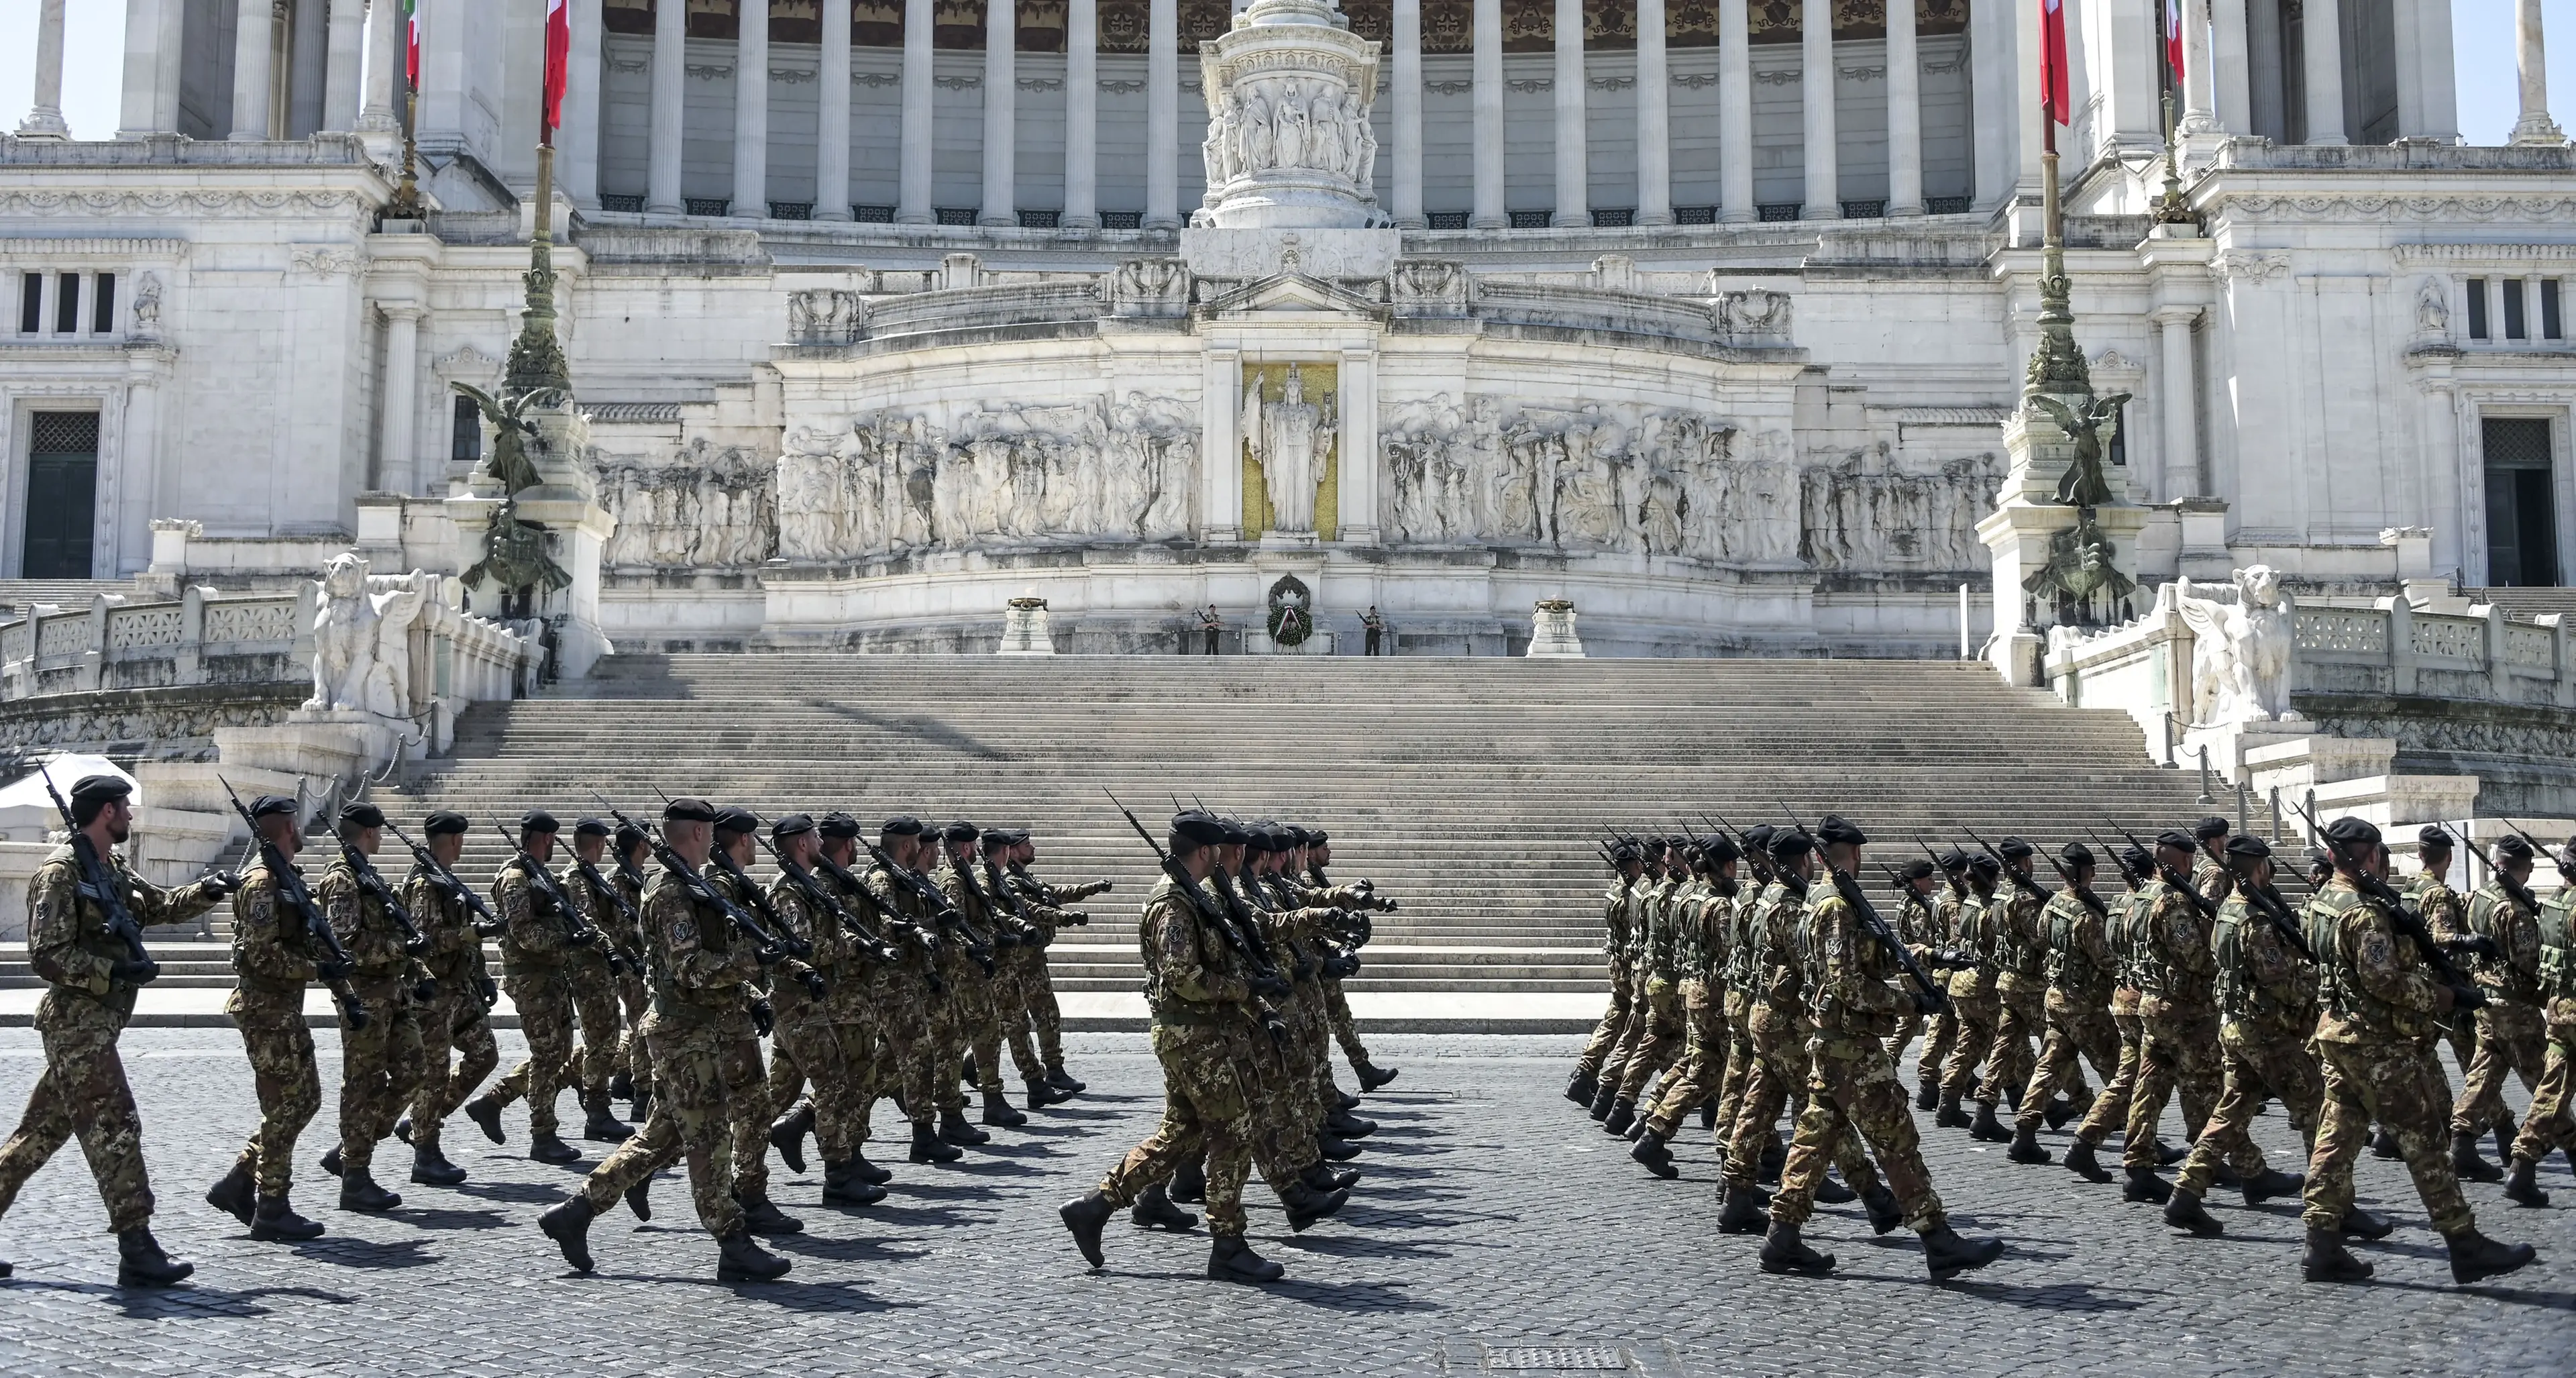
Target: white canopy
x: 27, y: 814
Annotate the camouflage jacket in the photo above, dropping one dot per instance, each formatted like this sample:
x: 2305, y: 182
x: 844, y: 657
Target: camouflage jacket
x: 535, y: 940
x: 2078, y: 950
x: 1193, y: 977
x: 272, y: 951
x: 2260, y: 979
x: 2172, y: 956
x: 454, y: 957
x: 704, y: 974
x: 1848, y: 973
x: 381, y: 969
x: 2371, y: 982
x: 2512, y: 976
x: 68, y: 942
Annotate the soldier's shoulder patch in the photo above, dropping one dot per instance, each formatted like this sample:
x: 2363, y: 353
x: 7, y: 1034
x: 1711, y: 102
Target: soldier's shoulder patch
x: 2376, y: 950
x: 684, y: 929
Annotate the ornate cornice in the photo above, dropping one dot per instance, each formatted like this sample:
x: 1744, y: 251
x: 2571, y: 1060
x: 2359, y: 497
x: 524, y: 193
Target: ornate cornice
x: 2351, y: 206
x: 2249, y: 266
x: 92, y: 247
x: 2464, y: 255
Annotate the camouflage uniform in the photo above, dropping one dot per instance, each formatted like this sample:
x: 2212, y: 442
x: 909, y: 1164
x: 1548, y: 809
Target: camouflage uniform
x: 918, y: 1023
x: 271, y: 964
x: 1194, y: 986
x: 2178, y: 1028
x: 2079, y: 996
x: 2267, y: 1002
x: 1918, y: 926
x: 877, y: 1008
x: 1662, y: 1032
x: 455, y: 1016
x: 703, y: 975
x: 634, y: 1055
x: 536, y: 960
x: 83, y: 1091
x: 746, y: 1076
x: 594, y: 994
x: 1701, y: 954
x: 2511, y: 1034
x: 1783, y: 1060
x: 380, y: 1065
x: 2111, y: 1108
x: 2372, y: 1038
x: 974, y: 997
x: 1972, y: 992
x: 1733, y: 984
x: 1614, y: 946
x: 2446, y: 913
x: 2021, y: 990
x: 1648, y: 907
x: 1852, y: 1084
x: 828, y: 1039
x: 1043, y: 1014
x: 2549, y: 1123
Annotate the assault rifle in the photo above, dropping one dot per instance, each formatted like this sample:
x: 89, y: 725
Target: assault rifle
x: 98, y: 886
x: 771, y: 930
x: 577, y: 930
x: 978, y: 947
x: 827, y: 907
x: 700, y: 888
x: 373, y: 882
x: 2083, y: 893
x: 1264, y: 979
x: 2484, y: 946
x: 1943, y: 959
x: 1754, y: 857
x: 1930, y: 997
x: 2266, y: 901
x: 2402, y: 917
x: 333, y: 966
x: 2165, y: 872
x: 894, y: 923
x: 2128, y: 876
x: 626, y: 914
x: 2018, y: 881
x: 1032, y: 887
x: 443, y: 880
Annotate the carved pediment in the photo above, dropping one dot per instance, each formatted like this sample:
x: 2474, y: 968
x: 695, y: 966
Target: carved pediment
x: 1291, y: 294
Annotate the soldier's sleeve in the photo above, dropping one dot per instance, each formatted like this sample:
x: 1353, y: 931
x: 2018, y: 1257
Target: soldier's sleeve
x: 1186, y: 973
x: 692, y: 965
x: 2186, y: 940
x: 2383, y: 967
x: 151, y: 905
x: 2093, y: 936
x: 2271, y: 958
x: 261, y: 923
x: 1855, y: 971
x: 2444, y: 914
x: 53, y: 932
x: 789, y: 903
x: 344, y: 907
x: 514, y: 903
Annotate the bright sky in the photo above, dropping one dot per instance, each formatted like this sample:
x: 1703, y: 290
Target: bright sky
x: 95, y: 35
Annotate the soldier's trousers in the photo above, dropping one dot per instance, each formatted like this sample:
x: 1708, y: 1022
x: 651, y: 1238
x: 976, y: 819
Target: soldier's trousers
x: 1614, y: 1022
x: 2021, y: 1016
x: 1781, y: 1064
x: 83, y: 1093
x: 1906, y: 1032
x: 966, y: 1024
x: 1942, y: 1034
x: 1022, y: 974
x: 2111, y: 1108
x: 1345, y: 1031
x: 2177, y: 1051
x: 689, y: 1118
x: 1204, y: 1111
x: 1047, y: 1018
x: 2510, y: 1039
x: 746, y: 1080
x: 1661, y: 1039
x: 2549, y: 1123
x: 1318, y: 1031
x: 634, y: 1052
x: 2074, y: 1028
x: 2398, y: 1085
x: 603, y: 1029
x: 1967, y: 1052
x: 380, y: 1069
x: 2257, y: 1063
x: 288, y: 1084
x: 1264, y: 1068
x: 456, y: 1020
x: 810, y: 1046
x: 1703, y: 1063
x: 546, y: 1013
x: 1739, y: 1065
x: 1614, y: 1068
x: 1852, y: 1088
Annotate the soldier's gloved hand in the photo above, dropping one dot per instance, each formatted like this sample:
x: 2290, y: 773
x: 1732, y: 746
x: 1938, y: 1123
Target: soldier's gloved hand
x: 582, y: 937
x: 426, y: 991
x: 489, y: 993
x: 220, y: 883
x: 1266, y: 985
x: 355, y: 1011
x: 1073, y: 918
x: 1277, y: 1028
x: 332, y: 971
x: 813, y: 983
x: 1928, y: 1003
x: 136, y: 971
x: 763, y: 1019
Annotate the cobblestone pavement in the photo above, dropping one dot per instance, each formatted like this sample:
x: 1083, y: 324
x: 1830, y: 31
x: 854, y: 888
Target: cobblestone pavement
x: 1497, y: 1229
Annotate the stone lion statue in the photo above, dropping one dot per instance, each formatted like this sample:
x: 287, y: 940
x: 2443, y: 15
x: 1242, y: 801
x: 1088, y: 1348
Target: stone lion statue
x: 361, y: 639
x: 2242, y: 649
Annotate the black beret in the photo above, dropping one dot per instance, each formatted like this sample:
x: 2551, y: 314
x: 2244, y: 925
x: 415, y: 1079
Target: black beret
x: 1199, y: 827
x: 2138, y: 858
x: 2433, y: 838
x: 2014, y: 849
x: 1986, y: 867
x: 1758, y: 837
x: 1787, y: 846
x: 2179, y: 841
x: 735, y: 819
x: 2209, y: 827
x: 1623, y: 854
x: 1315, y: 837
x: 960, y: 831
x: 2349, y: 831
x: 1955, y: 859
x: 628, y: 835
x: 837, y: 824
x: 538, y: 821
x: 2319, y: 861
x: 1236, y: 835
x: 2248, y: 847
x: 788, y: 825
x: 2075, y: 854
x: 1017, y: 836
x: 901, y: 825
x: 1719, y: 850
x: 1299, y: 837
x: 98, y: 789
x: 1920, y: 868
x: 1836, y: 828
x: 590, y: 827
x: 995, y: 839
x: 268, y: 804
x: 443, y: 822
x: 361, y: 816
x: 2513, y: 847
x: 688, y: 811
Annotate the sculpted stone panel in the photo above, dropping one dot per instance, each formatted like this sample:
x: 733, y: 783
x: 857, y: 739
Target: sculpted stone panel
x: 709, y: 506
x: 1856, y: 515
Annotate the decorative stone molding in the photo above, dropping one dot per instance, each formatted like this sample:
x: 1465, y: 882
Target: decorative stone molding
x: 1149, y: 287
x: 2249, y: 267
x: 322, y: 261
x: 1429, y: 287
x: 2483, y: 255
x: 826, y: 316
x: 161, y: 723
x: 92, y: 247
x: 2365, y: 207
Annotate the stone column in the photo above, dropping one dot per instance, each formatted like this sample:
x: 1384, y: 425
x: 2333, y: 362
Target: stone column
x: 1654, y: 119
x: 347, y: 48
x: 2321, y: 34
x: 253, y: 35
x: 398, y: 428
x: 1407, y: 95
x: 1734, y: 112
x: 751, y: 112
x: 1488, y: 213
x: 912, y: 184
x: 1573, y: 171
x: 1357, y: 495
x: 1162, y: 116
x: 2179, y: 413
x: 384, y: 58
x: 45, y: 120
x: 1904, y: 112
x: 670, y: 85
x: 832, y: 127
x: 2230, y: 71
x: 577, y: 171
x: 1220, y: 447
x: 150, y: 26
x: 1816, y: 91
x: 2197, y: 116
x: 2535, y: 126
x: 1082, y: 115
x: 1001, y: 112
x: 2436, y: 77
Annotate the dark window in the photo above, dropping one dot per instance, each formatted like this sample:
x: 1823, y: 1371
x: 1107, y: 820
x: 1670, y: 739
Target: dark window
x: 1530, y: 220
x: 791, y: 210
x: 62, y: 493
x: 31, y: 303
x: 2550, y: 328
x: 67, y: 304
x: 628, y: 204
x: 1448, y: 220
x: 2522, y: 506
x: 1619, y: 218
x: 2477, y: 308
x: 2513, y: 310
x: 1945, y: 205
x: 1779, y: 210
x: 1122, y: 220
x: 1865, y: 210
x: 102, y: 315
x: 1039, y: 220
x: 465, y: 434
x: 955, y: 215
x: 705, y: 205
x: 872, y: 215
x: 1694, y: 215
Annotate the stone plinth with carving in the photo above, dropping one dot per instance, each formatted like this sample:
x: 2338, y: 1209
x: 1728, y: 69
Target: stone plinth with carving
x: 1289, y: 144
x: 1024, y: 629
x: 1552, y: 630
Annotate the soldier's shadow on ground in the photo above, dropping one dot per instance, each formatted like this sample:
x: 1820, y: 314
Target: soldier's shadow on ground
x: 924, y: 730
x: 2511, y: 1296
x: 453, y: 1220
x: 520, y: 1193
x: 1361, y: 1246
x: 183, y: 1303
x: 2054, y: 1296
x: 350, y: 1252
x: 928, y: 1217
x: 822, y: 1298
x: 845, y: 1250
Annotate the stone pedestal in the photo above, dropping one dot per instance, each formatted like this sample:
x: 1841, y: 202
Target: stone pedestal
x: 2029, y: 530
x: 2229, y: 744
x: 1024, y: 629
x: 1552, y: 630
x: 565, y: 501
x: 1257, y: 642
x: 1313, y: 168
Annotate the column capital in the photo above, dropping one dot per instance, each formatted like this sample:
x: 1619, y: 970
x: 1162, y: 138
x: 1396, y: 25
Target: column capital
x: 405, y: 311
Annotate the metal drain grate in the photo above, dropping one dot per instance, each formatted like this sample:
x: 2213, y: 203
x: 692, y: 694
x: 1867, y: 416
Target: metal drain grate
x: 1650, y: 1358
x: 1555, y: 1358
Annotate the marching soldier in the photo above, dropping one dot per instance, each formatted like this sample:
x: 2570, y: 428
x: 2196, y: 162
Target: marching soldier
x: 979, y: 1022
x: 272, y: 961
x: 2021, y: 986
x: 2178, y: 1026
x: 380, y: 1060
x: 1701, y: 954
x: 927, y: 1028
x: 2446, y: 913
x: 1972, y: 996
x: 91, y: 974
x: 1023, y: 965
x: 2549, y: 1125
x: 457, y: 1014
x: 633, y: 1079
x: 811, y: 1030
x: 2111, y: 1108
x: 1627, y: 873
x: 2076, y: 928
x: 1917, y: 926
x: 1318, y: 855
x: 593, y: 976
x: 1736, y: 972
x: 879, y: 1010
x: 1043, y: 1013
x: 536, y: 955
x: 746, y: 1076
x: 1646, y: 903
x: 1943, y: 1032
x: 2510, y: 1027
x: 1661, y: 1034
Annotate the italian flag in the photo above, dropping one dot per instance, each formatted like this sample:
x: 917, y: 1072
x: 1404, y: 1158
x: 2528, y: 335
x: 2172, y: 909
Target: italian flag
x: 2173, y: 38
x: 558, y: 58
x: 411, y: 44
x: 2052, y: 61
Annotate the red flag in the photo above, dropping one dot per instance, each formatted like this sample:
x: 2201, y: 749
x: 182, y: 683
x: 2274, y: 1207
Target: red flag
x: 558, y: 59
x: 2173, y: 38
x: 411, y: 44
x: 2052, y: 62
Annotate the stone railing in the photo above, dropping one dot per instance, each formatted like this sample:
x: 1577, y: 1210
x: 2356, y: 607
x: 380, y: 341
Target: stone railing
x: 197, y: 638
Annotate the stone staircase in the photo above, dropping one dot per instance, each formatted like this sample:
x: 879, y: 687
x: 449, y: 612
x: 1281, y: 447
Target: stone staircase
x: 1473, y: 790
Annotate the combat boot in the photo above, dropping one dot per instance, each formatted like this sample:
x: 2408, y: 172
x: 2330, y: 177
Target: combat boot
x: 1742, y: 1213
x: 601, y: 1127
x: 621, y: 1086
x: 741, y: 1259
x: 1657, y: 1157
x: 237, y: 1195
x: 639, y: 1199
x: 2384, y: 1145
x: 1885, y: 1212
x: 1636, y: 1130
x: 2327, y: 1260
x: 643, y: 1104
x: 430, y: 1168
x: 1306, y: 1205
x: 1189, y: 1182
x: 1372, y: 1077
x: 1775, y: 1156
x: 761, y: 1216
x: 1623, y: 1113
x: 1708, y: 1114
x: 928, y: 1147
x: 567, y: 1223
x: 1581, y: 1090
x: 1832, y: 1192
x: 2272, y: 1182
x: 2144, y: 1185
x: 1784, y: 1252
x: 2183, y: 1211
x: 1949, y: 1115
x: 2520, y: 1189
x: 954, y: 1129
x: 1232, y: 1260
x: 2466, y: 1163
x: 866, y: 1171
x: 1947, y: 1253
x: 331, y: 1160
x: 1349, y: 1126
x: 998, y: 1111
x: 2025, y: 1148
x: 1320, y: 1175
x: 485, y: 1111
x: 1338, y: 1149
x: 1042, y: 1095
x: 402, y: 1127
x: 2080, y: 1160
x: 1086, y: 1215
x: 1928, y: 1095
x: 274, y: 1219
x: 550, y: 1148
x: 1986, y: 1129
x: 2059, y: 1111
x: 359, y: 1192
x: 2361, y: 1224
x: 1344, y: 1100
x: 2504, y: 1143
x: 1063, y: 1080
x: 1154, y: 1211
x: 787, y: 1135
x: 2474, y: 1256
x: 1603, y: 1099
x: 2169, y: 1154
x: 140, y: 1262
x: 842, y: 1187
